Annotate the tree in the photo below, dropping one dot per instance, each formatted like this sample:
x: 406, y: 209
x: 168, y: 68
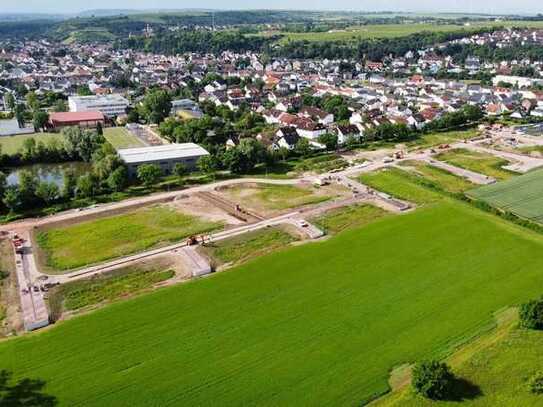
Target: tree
x: 48, y: 192
x: 531, y: 314
x: 69, y: 184
x: 3, y: 183
x: 118, y: 179
x: 148, y: 174
x: 329, y: 140
x: 207, y: 164
x: 87, y: 186
x: 82, y: 144
x: 28, y: 152
x: 12, y: 198
x: 99, y: 129
x: 157, y: 105
x: 180, y: 170
x: 27, y: 187
x: 39, y: 120
x: 432, y: 379
x: 536, y: 383
x: 9, y: 99
x: 84, y: 91
x: 303, y: 147
x: 32, y: 101
x: 20, y: 115
x: 60, y: 106
x: 242, y: 158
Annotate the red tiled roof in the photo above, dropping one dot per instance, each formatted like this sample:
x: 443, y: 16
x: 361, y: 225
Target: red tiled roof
x: 63, y: 117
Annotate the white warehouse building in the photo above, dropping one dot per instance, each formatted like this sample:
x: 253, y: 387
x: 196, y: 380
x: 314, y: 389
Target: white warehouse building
x: 165, y: 156
x: 108, y: 105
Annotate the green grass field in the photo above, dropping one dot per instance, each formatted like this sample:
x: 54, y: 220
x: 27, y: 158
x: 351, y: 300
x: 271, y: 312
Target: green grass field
x: 442, y: 179
x: 249, y: 245
x: 305, y: 326
x: 496, y: 369
x: 275, y: 197
x: 356, y: 33
x: 400, y: 184
x: 102, y: 239
x: 12, y: 144
x: 447, y: 137
x: 338, y: 220
x: 482, y: 163
x: 119, y: 137
x: 117, y: 284
x: 521, y: 195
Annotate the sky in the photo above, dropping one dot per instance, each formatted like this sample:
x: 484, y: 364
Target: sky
x: 475, y: 6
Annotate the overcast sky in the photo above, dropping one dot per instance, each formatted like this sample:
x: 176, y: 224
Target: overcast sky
x: 487, y: 6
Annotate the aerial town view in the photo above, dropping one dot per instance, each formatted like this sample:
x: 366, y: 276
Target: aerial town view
x: 271, y: 204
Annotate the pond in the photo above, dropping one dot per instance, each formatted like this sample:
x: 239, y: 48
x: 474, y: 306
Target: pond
x: 48, y: 172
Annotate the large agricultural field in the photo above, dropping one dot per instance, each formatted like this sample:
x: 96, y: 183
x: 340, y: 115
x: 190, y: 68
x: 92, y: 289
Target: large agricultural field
x: 356, y: 33
x: 116, y: 236
x: 304, y: 326
x: 522, y: 195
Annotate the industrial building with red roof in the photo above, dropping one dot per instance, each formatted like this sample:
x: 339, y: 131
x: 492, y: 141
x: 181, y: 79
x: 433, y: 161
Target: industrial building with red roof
x: 82, y: 119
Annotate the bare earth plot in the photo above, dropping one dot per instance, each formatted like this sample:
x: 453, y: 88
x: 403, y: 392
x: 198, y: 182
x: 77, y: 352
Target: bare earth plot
x: 522, y: 195
x: 268, y: 199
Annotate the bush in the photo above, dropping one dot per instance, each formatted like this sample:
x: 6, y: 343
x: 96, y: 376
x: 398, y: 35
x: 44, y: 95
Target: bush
x: 432, y: 379
x: 536, y: 383
x: 531, y: 314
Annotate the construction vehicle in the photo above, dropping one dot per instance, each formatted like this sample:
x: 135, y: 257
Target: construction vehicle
x: 192, y: 241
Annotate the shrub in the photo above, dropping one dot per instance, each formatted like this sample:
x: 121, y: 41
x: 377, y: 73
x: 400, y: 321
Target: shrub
x: 432, y: 379
x: 531, y: 314
x: 536, y: 383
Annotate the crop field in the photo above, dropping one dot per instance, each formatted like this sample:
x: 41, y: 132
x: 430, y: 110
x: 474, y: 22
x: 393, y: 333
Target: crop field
x: 521, y: 195
x: 356, y: 33
x: 12, y: 144
x: 350, y: 217
x: 241, y: 248
x: 482, y: 163
x: 493, y: 371
x: 116, y: 236
x: 442, y: 179
x: 119, y: 137
x: 304, y: 326
x: 401, y: 184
